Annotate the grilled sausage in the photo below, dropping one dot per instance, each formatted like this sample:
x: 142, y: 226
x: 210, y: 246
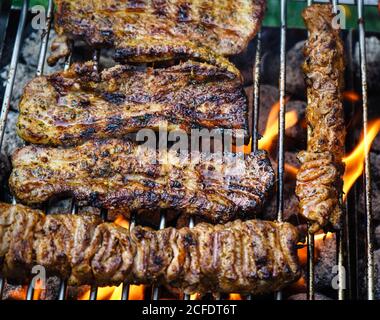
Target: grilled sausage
x: 319, y: 180
x: 242, y: 257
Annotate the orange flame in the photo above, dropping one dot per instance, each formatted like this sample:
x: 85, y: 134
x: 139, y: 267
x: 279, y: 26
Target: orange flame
x: 318, y: 240
x: 115, y: 293
x: 271, y: 129
x: 37, y: 292
x: 291, y: 170
x: 355, y: 160
x: 235, y: 296
x: 195, y: 296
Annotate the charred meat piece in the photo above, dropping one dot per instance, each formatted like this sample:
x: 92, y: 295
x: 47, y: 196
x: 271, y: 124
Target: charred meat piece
x: 70, y: 107
x: 319, y: 181
x: 253, y: 257
x: 118, y: 174
x: 145, y: 31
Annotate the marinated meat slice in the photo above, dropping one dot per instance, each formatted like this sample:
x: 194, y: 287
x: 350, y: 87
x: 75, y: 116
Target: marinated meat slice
x: 120, y: 175
x: 73, y: 106
x: 251, y: 257
x: 319, y: 180
x: 145, y: 31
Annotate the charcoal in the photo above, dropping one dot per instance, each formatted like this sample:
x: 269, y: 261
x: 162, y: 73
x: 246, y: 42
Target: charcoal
x: 5, y: 169
x: 295, y: 84
x: 296, y: 135
x: 11, y: 140
x: 373, y: 58
x: 18, y: 292
x: 377, y: 273
x: 326, y: 249
x: 27, y: 66
x: 375, y: 201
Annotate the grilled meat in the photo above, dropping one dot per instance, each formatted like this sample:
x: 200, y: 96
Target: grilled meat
x: 117, y: 174
x: 319, y: 181
x: 244, y: 257
x: 72, y: 106
x: 145, y: 31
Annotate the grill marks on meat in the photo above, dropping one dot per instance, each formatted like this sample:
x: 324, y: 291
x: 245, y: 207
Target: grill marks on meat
x: 70, y: 107
x: 117, y: 174
x: 243, y: 257
x: 145, y: 31
x: 319, y: 181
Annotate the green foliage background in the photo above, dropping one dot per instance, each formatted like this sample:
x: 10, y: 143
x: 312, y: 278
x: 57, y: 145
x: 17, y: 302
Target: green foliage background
x: 372, y: 15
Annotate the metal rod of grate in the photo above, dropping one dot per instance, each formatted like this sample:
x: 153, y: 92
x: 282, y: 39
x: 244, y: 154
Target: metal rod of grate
x: 10, y: 83
x: 256, y: 101
x: 367, y: 165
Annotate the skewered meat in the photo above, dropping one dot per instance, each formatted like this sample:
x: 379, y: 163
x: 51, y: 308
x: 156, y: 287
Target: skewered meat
x: 244, y: 257
x: 145, y: 31
x: 118, y: 174
x: 72, y: 106
x: 319, y: 181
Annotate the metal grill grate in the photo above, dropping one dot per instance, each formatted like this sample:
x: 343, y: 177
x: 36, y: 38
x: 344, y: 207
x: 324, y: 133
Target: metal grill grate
x: 256, y: 102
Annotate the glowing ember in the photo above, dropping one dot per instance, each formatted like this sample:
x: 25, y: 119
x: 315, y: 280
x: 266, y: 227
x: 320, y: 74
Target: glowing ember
x: 234, y: 296
x: 351, y: 96
x: 18, y: 293
x: 355, y: 160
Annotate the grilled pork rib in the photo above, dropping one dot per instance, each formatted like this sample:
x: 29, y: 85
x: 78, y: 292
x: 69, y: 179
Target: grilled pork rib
x: 117, y: 174
x: 72, y: 106
x: 319, y: 180
x: 145, y: 31
x: 244, y: 257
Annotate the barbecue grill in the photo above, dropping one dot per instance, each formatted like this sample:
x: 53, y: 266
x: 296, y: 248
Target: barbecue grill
x: 347, y: 247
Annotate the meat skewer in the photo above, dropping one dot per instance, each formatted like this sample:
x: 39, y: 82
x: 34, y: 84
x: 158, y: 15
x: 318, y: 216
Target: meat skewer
x: 120, y: 175
x: 319, y: 180
x: 146, y: 31
x: 73, y: 106
x: 242, y: 257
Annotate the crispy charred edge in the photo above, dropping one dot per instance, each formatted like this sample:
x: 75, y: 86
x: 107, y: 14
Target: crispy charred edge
x: 319, y: 188
x: 119, y: 200
x: 184, y: 258
x: 154, y: 51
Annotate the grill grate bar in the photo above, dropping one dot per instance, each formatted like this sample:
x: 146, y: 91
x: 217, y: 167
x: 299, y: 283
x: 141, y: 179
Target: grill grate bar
x: 45, y: 40
x: 256, y: 95
x: 191, y: 225
x: 310, y: 247
x: 367, y: 164
x: 10, y: 84
x: 281, y: 120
